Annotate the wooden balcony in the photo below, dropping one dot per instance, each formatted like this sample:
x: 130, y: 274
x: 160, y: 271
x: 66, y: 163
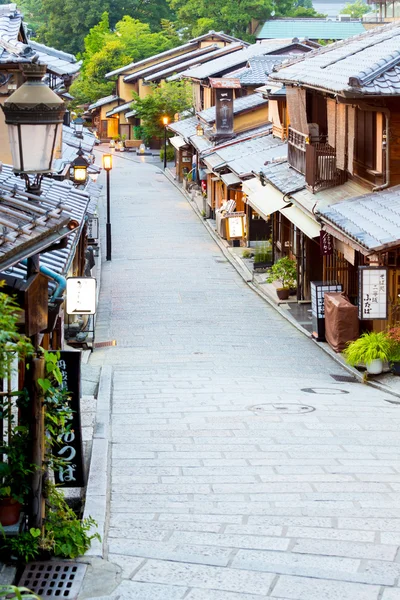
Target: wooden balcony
x: 297, y: 150
x: 317, y: 161
x: 321, y: 171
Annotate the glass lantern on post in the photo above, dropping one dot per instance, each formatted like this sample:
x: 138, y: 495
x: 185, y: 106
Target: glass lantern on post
x: 78, y: 122
x: 34, y: 116
x: 80, y: 168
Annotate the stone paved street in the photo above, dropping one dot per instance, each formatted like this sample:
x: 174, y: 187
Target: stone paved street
x: 222, y: 485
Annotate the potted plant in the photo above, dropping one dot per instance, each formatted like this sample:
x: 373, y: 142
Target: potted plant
x: 15, y: 473
x: 122, y: 143
x: 285, y: 271
x: 263, y: 255
x: 372, y: 349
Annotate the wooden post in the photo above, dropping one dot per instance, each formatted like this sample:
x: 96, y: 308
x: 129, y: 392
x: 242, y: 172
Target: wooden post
x: 37, y: 431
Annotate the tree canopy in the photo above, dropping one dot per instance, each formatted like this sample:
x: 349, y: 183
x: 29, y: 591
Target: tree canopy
x: 355, y: 9
x: 166, y: 100
x: 106, y: 50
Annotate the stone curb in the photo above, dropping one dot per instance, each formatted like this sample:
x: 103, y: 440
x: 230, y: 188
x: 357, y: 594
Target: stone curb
x: 97, y: 486
x: 248, y: 278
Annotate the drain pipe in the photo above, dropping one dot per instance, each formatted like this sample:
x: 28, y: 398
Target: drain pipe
x: 386, y: 112
x: 59, y: 279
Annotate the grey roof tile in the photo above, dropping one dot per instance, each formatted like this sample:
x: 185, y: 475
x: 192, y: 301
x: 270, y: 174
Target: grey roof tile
x: 104, y: 101
x: 235, y: 60
x: 365, y: 64
x: 283, y: 177
x: 373, y: 220
x: 239, y: 105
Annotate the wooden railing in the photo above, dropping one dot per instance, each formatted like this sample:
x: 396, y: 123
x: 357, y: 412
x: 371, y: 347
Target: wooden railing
x: 279, y: 131
x: 297, y: 150
x: 321, y: 171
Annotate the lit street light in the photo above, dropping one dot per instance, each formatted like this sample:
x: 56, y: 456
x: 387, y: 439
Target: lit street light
x: 80, y: 167
x: 165, y: 121
x: 107, y: 166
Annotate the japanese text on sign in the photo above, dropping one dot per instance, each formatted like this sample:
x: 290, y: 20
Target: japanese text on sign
x: 70, y: 472
x: 373, y: 293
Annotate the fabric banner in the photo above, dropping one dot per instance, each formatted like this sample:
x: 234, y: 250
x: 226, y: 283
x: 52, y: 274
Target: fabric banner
x: 273, y: 112
x: 341, y: 137
x: 296, y: 101
x: 331, y: 110
x: 351, y: 119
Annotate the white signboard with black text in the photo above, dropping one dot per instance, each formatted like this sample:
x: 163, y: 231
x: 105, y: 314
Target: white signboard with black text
x: 93, y: 228
x: 81, y: 296
x: 373, y: 293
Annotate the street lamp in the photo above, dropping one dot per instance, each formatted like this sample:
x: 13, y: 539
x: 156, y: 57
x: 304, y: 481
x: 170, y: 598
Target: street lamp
x: 107, y: 166
x: 165, y: 121
x: 78, y: 122
x: 80, y: 168
x: 34, y: 116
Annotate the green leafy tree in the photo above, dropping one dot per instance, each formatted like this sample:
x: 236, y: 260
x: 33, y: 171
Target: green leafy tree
x: 106, y: 50
x: 355, y: 9
x: 166, y: 100
x: 231, y: 16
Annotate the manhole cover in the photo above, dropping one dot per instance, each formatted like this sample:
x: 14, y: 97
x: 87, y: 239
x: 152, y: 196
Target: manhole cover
x: 54, y: 579
x: 344, y: 378
x: 324, y: 391
x: 282, y: 408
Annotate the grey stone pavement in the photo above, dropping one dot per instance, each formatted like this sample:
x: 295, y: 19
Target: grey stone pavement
x: 240, y: 468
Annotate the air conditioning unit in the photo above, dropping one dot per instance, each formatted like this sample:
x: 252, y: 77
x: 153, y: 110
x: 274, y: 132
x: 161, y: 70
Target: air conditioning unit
x: 344, y: 17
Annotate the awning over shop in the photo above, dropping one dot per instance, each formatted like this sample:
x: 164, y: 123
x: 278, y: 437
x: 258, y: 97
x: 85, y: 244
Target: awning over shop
x: 302, y: 221
x: 177, y: 141
x: 264, y: 199
x: 230, y: 179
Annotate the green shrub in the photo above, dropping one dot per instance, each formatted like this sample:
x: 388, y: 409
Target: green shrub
x: 170, y: 154
x: 368, y: 347
x: 285, y: 271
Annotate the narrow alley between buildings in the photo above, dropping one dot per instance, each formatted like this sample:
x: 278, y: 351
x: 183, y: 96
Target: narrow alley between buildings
x: 241, y: 467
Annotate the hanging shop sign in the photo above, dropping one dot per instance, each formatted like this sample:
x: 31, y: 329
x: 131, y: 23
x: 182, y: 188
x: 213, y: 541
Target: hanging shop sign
x: 325, y: 243
x: 93, y: 228
x: 235, y: 229
x: 373, y: 293
x: 71, y: 472
x: 318, y: 291
x: 224, y: 111
x: 81, y: 296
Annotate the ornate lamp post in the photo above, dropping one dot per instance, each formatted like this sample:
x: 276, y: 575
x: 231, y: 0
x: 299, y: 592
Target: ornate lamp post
x: 34, y: 116
x: 78, y: 122
x: 80, y: 168
x: 107, y: 166
x: 165, y: 121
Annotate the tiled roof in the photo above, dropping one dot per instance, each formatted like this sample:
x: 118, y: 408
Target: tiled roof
x: 30, y: 226
x: 204, y: 145
x: 118, y: 109
x: 213, y: 53
x: 156, y: 71
x: 314, y: 29
x: 68, y: 155
x: 258, y: 69
x: 239, y: 105
x: 244, y: 157
x: 104, y: 101
x: 59, y: 63
x: 185, y: 128
x: 372, y: 220
x: 11, y: 49
x: 283, y: 177
x: 87, y: 142
x: 366, y: 64
x: 225, y: 63
x: 191, y: 44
